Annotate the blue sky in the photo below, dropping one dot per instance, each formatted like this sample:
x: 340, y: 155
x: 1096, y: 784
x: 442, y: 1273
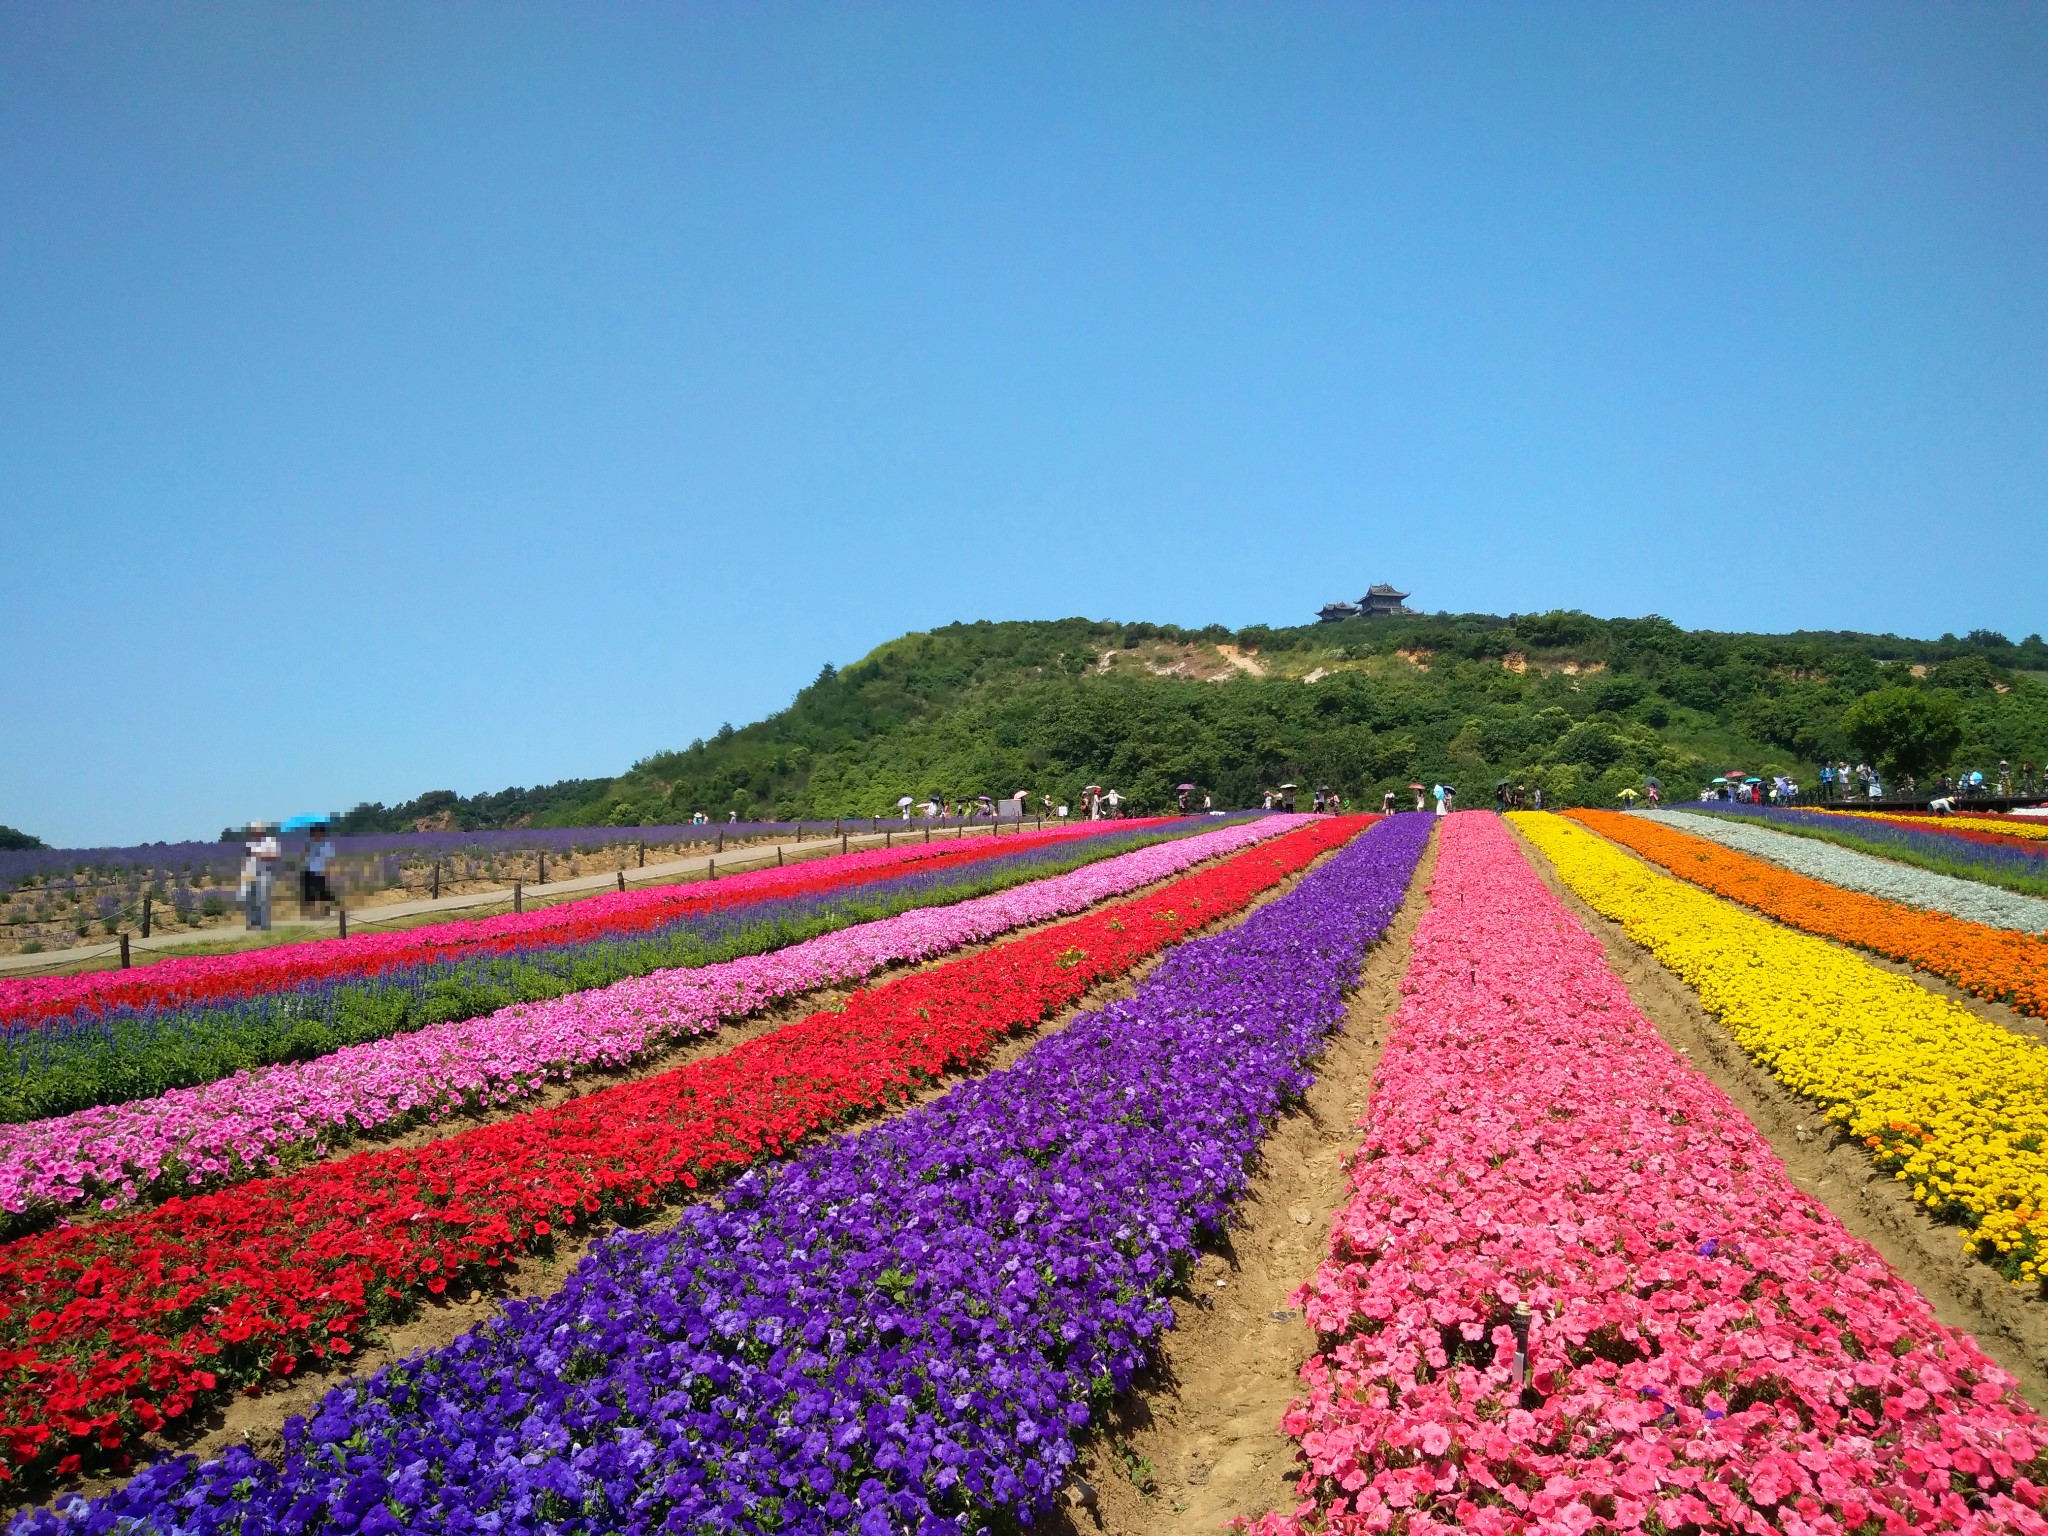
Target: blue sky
x: 397, y: 396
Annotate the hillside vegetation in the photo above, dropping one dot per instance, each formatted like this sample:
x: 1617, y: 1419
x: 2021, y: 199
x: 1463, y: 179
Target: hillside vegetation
x: 1580, y: 705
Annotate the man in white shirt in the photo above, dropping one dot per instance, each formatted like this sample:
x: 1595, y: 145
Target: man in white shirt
x: 259, y: 864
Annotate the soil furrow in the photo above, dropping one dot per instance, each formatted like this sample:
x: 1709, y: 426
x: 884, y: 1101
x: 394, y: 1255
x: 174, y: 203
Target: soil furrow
x: 1200, y: 1442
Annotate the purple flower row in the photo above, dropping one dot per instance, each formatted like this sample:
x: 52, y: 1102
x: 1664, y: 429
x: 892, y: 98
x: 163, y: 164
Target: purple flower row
x: 900, y: 1330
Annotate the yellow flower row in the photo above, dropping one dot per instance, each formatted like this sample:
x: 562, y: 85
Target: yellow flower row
x: 1951, y: 1103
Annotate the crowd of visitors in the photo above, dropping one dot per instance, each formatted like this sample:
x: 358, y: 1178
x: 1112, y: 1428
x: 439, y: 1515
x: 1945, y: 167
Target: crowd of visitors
x: 263, y: 858
x: 1841, y: 782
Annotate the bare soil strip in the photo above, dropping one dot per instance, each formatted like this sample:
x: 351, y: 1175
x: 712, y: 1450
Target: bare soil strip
x: 2010, y: 1323
x: 258, y: 1421
x: 1200, y: 1442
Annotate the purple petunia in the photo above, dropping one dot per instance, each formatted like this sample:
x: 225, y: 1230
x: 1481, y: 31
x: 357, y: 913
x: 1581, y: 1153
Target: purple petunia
x: 898, y: 1330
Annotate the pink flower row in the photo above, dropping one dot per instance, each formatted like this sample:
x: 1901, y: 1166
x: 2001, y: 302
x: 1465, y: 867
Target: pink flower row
x: 1706, y: 1347
x: 235, y: 1129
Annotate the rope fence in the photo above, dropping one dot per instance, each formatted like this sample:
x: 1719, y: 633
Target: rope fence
x: 140, y: 911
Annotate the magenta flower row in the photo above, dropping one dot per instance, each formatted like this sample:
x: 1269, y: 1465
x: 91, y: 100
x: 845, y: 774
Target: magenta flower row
x: 1575, y: 1290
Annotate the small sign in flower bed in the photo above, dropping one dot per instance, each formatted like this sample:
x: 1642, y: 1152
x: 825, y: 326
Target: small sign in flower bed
x: 108, y: 1330
x: 1575, y: 1291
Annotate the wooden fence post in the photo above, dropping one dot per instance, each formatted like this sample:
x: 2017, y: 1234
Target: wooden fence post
x: 622, y: 882
x: 719, y: 845
x: 643, y: 853
x: 543, y: 880
x: 145, y: 914
x: 711, y: 867
x: 778, y: 855
x: 842, y: 842
x: 342, y: 912
x: 437, y: 879
x: 518, y: 895
x: 124, y: 949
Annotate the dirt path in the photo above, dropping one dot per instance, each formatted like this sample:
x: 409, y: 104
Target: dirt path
x: 1201, y: 1443
x: 384, y: 911
x: 258, y: 1421
x: 2010, y: 1324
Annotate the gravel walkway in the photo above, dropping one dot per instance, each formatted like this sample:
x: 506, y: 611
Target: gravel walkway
x: 1855, y: 871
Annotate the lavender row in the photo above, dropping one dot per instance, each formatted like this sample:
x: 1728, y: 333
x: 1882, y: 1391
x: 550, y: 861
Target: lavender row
x: 903, y: 1329
x: 222, y: 860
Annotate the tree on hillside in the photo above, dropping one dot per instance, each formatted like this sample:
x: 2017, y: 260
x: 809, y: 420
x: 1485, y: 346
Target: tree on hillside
x: 11, y: 840
x: 1905, y: 730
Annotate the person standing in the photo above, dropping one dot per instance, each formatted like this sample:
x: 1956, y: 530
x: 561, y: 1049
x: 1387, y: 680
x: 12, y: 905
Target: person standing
x: 259, y: 865
x: 1115, y: 804
x: 1439, y: 792
x: 315, y: 892
x: 1387, y: 803
x: 1536, y: 798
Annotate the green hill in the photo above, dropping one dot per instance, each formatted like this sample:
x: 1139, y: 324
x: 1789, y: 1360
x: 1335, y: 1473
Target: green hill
x: 1583, y: 706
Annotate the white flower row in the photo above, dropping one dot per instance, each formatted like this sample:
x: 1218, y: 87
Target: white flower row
x: 1853, y: 871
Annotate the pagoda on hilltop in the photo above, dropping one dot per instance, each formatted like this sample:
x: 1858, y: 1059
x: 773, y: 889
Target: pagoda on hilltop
x: 1379, y: 602
x: 1383, y: 602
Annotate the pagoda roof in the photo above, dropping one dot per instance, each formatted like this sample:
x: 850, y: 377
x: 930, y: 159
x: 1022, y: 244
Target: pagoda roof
x: 1381, y: 589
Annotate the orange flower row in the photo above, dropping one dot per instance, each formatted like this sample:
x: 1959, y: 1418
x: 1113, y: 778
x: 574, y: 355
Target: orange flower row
x: 1995, y: 963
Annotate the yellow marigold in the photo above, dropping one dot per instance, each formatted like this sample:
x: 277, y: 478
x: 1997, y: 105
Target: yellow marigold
x: 1951, y: 1103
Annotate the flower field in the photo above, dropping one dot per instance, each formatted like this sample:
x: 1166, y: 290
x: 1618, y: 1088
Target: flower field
x: 1994, y: 963
x: 900, y: 1330
x: 109, y: 1329
x: 1971, y: 900
x: 212, y: 978
x: 1706, y: 1348
x: 1982, y: 827
x: 233, y: 1129
x: 97, y: 1057
x: 1950, y: 1103
x: 2017, y: 866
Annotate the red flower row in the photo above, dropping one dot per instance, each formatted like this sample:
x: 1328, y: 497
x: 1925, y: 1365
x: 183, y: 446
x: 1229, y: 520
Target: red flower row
x: 110, y: 1329
x: 191, y: 980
